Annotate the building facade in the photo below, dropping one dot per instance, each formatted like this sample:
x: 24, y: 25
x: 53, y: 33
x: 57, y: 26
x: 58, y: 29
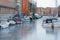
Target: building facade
x: 7, y: 8
x: 24, y: 7
x: 39, y: 10
x: 28, y: 6
x: 48, y: 11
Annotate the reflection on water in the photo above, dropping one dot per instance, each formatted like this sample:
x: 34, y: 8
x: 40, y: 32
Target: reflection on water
x: 50, y: 31
x: 47, y: 33
x: 17, y: 32
x: 55, y: 33
x: 30, y: 31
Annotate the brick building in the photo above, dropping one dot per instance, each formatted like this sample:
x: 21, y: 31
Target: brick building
x: 39, y: 10
x: 7, y: 8
x: 24, y: 9
x: 46, y: 11
x: 28, y: 6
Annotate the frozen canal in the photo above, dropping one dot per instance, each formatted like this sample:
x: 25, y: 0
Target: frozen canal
x: 30, y: 31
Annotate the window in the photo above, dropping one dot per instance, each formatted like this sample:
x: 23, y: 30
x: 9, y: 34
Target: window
x: 10, y: 11
x: 1, y: 10
x: 12, y: 0
x: 7, y: 10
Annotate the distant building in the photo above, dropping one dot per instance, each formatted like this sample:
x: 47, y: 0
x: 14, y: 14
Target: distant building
x: 40, y: 10
x: 46, y: 11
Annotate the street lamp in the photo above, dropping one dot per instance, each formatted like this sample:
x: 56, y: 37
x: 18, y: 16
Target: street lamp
x: 56, y: 7
x: 17, y: 8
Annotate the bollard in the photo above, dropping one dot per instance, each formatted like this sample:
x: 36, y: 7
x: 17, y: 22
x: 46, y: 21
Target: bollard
x: 52, y: 26
x: 0, y: 27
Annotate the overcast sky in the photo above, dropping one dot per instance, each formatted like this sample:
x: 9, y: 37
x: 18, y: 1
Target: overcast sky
x: 46, y: 3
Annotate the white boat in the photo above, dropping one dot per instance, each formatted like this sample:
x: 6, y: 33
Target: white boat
x: 27, y: 18
x: 12, y: 22
x: 56, y: 23
x: 4, y: 25
x: 58, y: 18
x: 46, y: 25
